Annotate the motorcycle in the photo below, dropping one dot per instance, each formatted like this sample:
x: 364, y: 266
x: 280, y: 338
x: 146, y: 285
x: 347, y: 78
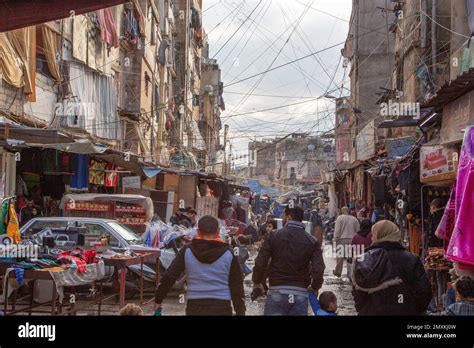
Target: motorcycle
x: 329, y: 226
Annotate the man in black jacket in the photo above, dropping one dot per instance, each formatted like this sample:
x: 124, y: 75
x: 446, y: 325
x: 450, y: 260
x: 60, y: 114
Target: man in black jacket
x: 294, y: 261
x: 387, y: 279
x: 213, y: 274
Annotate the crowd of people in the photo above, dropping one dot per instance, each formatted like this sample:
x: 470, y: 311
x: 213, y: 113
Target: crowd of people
x: 289, y: 269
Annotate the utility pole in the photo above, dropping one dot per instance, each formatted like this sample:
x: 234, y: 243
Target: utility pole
x: 226, y: 132
x: 161, y: 110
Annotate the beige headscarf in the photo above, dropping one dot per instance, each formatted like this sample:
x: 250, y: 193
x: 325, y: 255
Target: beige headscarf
x: 385, y: 231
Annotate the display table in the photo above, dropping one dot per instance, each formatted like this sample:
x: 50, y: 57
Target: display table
x: 60, y: 279
x: 120, y: 266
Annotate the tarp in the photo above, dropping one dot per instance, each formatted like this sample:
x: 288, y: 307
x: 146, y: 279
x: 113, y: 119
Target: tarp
x: 80, y: 147
x: 151, y: 172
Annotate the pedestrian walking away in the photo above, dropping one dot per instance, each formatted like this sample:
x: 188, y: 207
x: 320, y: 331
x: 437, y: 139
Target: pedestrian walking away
x: 346, y: 227
x: 387, y: 279
x: 294, y: 261
x: 213, y: 274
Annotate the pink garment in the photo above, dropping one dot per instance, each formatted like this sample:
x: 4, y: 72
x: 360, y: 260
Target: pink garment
x: 461, y: 245
x: 108, y: 31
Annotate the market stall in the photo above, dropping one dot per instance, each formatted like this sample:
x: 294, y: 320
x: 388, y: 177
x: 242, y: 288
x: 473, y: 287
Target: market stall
x: 133, y: 211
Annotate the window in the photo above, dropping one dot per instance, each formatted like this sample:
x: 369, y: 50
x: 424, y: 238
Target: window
x: 98, y: 230
x: 125, y: 233
x: 39, y: 225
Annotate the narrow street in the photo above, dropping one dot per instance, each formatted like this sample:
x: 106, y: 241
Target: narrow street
x: 340, y: 287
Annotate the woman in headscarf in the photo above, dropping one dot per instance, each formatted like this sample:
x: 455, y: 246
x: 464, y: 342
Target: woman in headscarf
x: 364, y: 236
x: 387, y: 279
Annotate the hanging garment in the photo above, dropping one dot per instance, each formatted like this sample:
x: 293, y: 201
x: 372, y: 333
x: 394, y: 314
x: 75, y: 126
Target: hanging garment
x: 13, y: 227
x: 3, y: 225
x: 461, y: 245
x: 111, y: 177
x: 108, y: 31
x: 80, y: 181
x: 97, y: 172
x: 51, y: 162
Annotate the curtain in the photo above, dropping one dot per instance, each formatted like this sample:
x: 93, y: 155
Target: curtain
x: 51, y: 51
x: 24, y: 41
x: 11, y: 68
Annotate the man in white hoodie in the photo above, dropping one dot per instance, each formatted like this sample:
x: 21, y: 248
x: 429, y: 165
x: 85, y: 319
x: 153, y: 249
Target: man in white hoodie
x: 346, y: 227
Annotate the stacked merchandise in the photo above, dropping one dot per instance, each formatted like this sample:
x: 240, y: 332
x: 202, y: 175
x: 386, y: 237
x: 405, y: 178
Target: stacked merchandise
x: 435, y: 260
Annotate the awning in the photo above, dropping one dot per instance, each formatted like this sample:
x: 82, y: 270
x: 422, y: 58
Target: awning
x: 408, y: 121
x: 32, y: 135
x: 24, y: 13
x: 450, y: 91
x: 81, y: 146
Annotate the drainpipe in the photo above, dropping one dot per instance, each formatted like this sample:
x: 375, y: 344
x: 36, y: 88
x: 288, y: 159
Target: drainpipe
x: 433, y: 37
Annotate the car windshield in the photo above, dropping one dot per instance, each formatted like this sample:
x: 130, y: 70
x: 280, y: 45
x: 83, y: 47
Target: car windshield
x: 126, y: 233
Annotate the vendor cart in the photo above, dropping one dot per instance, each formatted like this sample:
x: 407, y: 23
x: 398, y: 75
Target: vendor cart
x: 131, y: 210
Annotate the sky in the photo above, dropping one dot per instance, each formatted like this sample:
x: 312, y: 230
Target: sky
x: 248, y: 37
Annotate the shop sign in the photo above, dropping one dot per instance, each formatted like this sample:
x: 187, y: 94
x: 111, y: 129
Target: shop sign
x: 365, y: 141
x: 131, y: 182
x: 438, y: 163
x: 456, y: 117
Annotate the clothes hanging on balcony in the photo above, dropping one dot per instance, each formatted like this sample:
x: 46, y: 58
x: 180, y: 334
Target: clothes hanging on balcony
x: 108, y: 31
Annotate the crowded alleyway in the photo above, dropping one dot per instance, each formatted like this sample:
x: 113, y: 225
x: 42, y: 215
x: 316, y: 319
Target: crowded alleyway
x: 340, y: 287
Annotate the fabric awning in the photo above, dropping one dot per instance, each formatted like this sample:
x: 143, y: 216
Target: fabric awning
x: 24, y: 13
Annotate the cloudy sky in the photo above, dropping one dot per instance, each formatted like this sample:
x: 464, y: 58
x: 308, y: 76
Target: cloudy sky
x: 248, y: 37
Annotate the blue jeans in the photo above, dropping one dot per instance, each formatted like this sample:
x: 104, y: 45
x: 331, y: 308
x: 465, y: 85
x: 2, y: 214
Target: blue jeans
x: 278, y: 303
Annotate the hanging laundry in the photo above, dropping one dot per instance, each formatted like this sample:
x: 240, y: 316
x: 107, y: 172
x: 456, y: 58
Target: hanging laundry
x: 461, y: 245
x: 108, y: 31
